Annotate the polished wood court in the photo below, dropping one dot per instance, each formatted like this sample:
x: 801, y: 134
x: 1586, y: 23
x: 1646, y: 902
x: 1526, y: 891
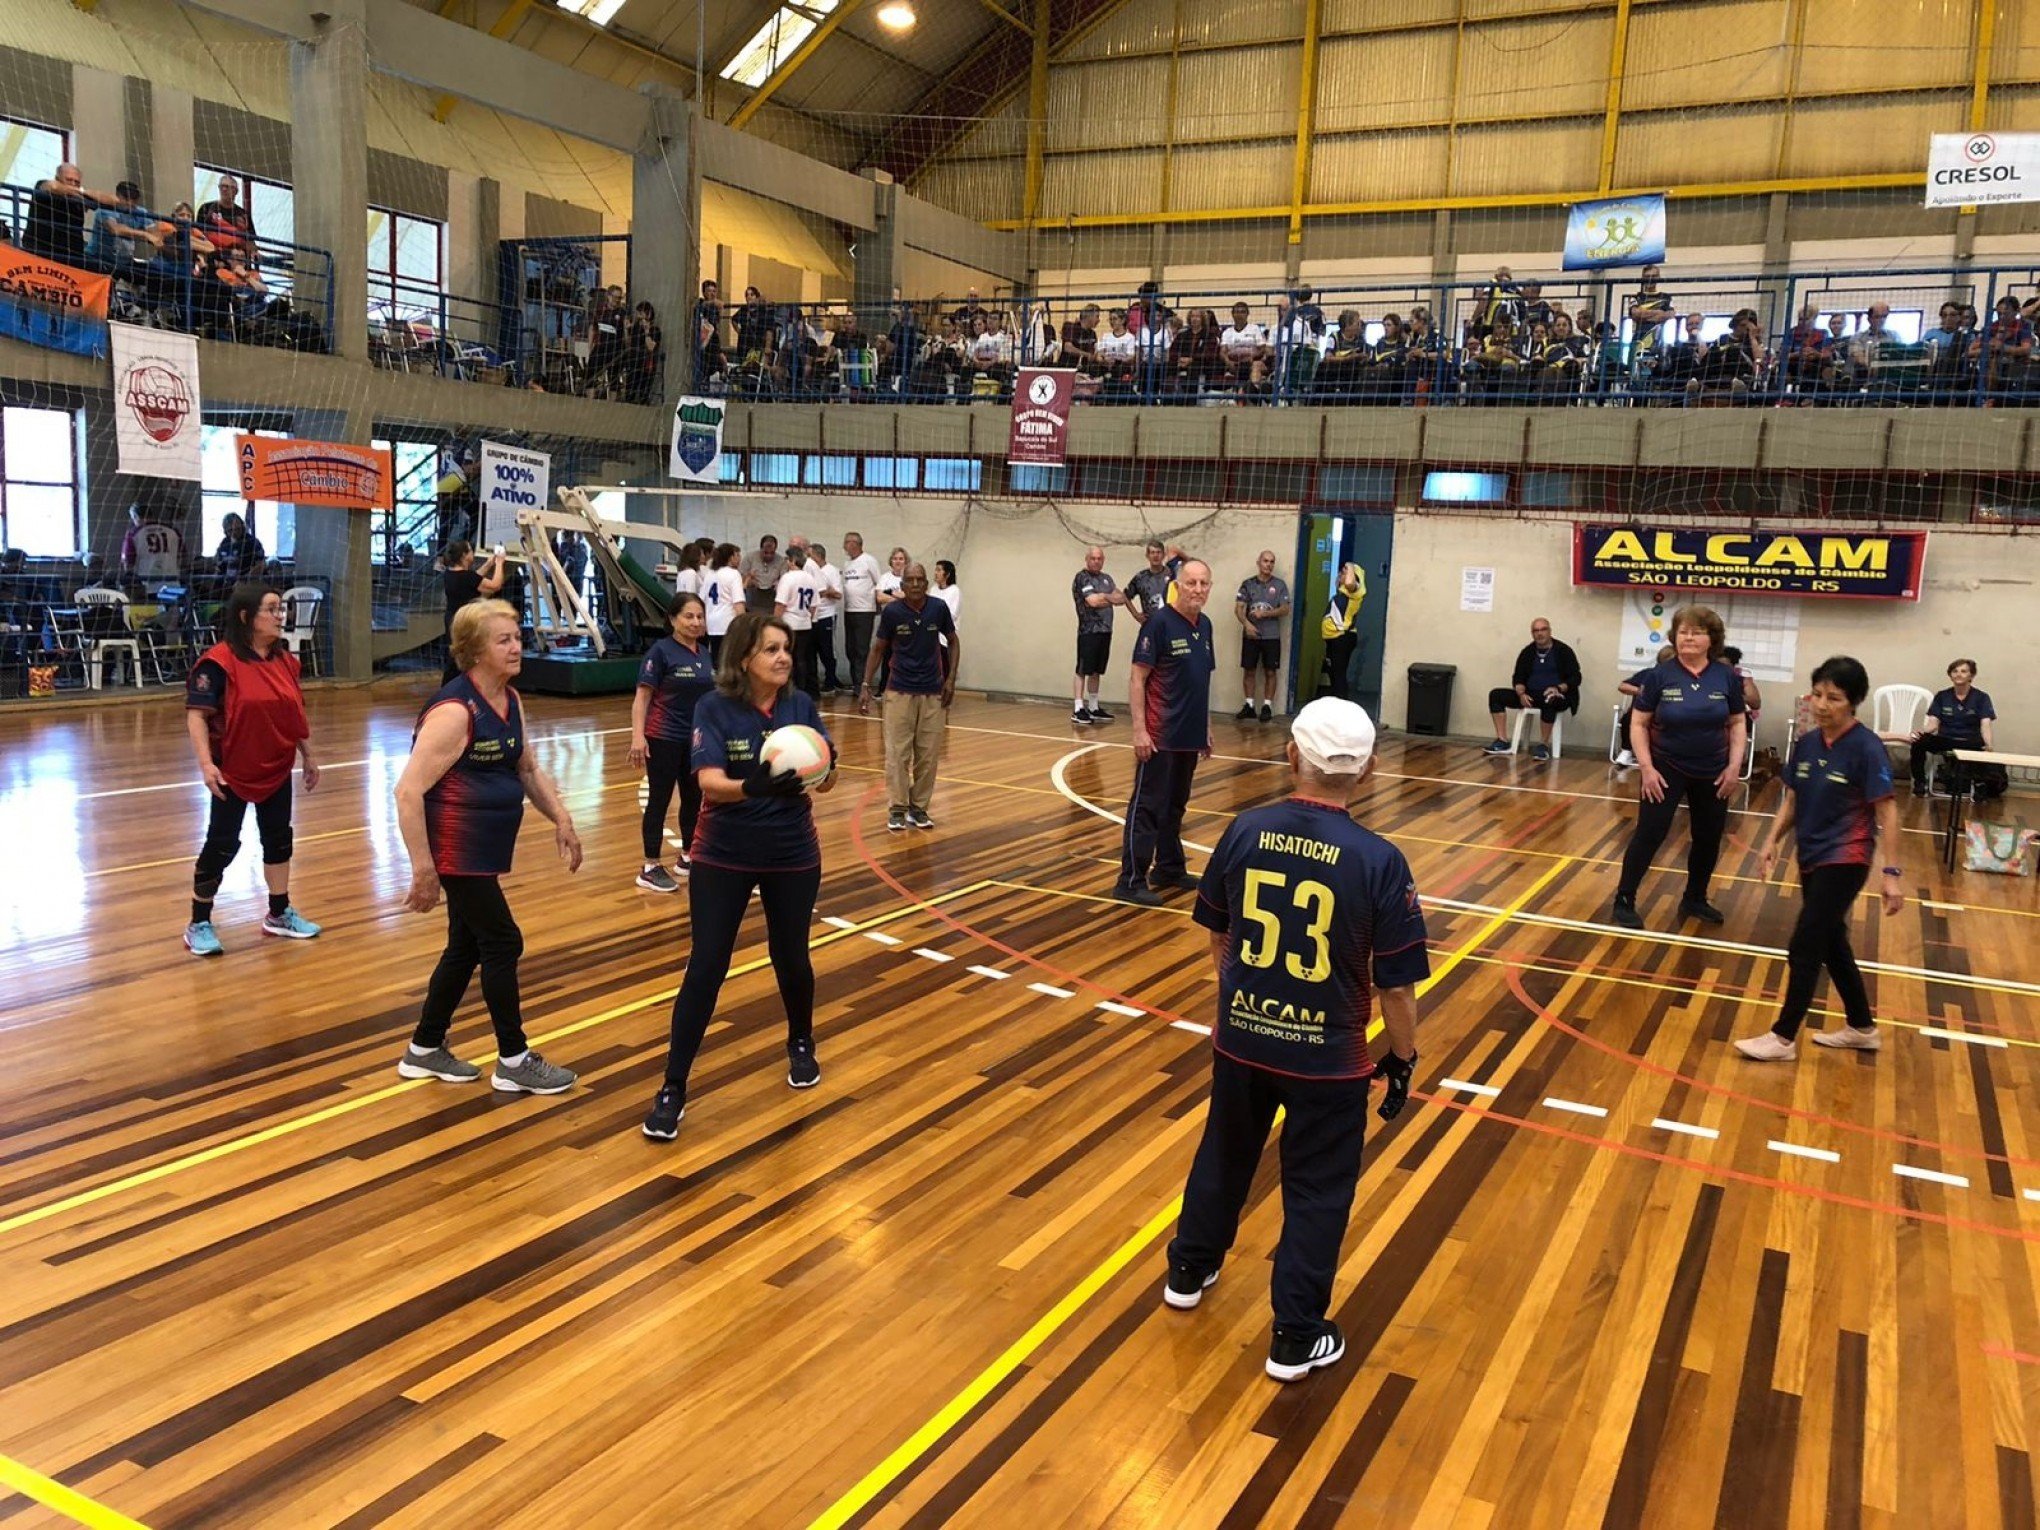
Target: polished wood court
x: 1607, y: 1275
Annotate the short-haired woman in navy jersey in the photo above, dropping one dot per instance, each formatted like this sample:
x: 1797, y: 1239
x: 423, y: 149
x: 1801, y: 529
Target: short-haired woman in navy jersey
x: 459, y: 804
x: 677, y: 672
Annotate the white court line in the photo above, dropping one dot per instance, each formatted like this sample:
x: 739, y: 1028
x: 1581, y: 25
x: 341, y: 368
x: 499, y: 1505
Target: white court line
x: 2032, y: 1195
x: 1553, y: 1102
x: 1204, y: 1030
x: 883, y: 939
x: 1946, y: 908
x: 988, y: 972
x: 1794, y: 1150
x: 839, y: 921
x: 933, y: 956
x: 1052, y: 991
x: 1460, y: 1084
x: 1684, y: 1129
x: 1055, y: 776
x: 1121, y: 1009
x: 1931, y: 1176
x: 1976, y: 1041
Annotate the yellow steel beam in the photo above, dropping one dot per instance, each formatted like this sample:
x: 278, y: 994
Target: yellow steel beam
x: 1618, y: 52
x: 1979, y: 89
x: 1880, y: 181
x: 1306, y: 117
x: 512, y: 18
x: 1037, y: 115
x: 1796, y: 57
x: 1006, y: 16
x: 794, y: 62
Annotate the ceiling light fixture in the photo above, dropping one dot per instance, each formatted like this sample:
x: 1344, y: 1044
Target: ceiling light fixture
x: 896, y: 15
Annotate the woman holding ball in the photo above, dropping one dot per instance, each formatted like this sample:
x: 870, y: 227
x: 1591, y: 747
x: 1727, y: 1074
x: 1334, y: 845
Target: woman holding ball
x: 756, y: 830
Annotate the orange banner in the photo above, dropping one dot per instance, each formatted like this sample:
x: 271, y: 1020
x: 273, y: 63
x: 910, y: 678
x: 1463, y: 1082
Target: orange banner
x: 315, y: 473
x: 36, y: 280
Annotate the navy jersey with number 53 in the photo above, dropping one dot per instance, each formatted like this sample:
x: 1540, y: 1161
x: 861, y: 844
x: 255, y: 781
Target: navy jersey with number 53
x: 1317, y: 913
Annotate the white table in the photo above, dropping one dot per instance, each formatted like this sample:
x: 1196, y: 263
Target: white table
x: 1956, y: 799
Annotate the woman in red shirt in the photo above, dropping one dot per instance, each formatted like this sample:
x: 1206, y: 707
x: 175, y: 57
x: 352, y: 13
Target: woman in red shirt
x: 246, y: 715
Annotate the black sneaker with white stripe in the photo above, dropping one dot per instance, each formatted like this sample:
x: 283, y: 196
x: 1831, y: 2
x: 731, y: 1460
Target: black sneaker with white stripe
x: 802, y: 1071
x: 1186, y: 1286
x: 663, y: 1124
x: 1296, y: 1352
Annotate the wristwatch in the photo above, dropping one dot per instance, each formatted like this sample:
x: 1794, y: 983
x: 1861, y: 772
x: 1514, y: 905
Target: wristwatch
x: 1894, y: 871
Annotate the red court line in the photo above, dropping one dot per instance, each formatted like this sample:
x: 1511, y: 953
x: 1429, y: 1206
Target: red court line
x: 1999, y: 1352
x: 1550, y: 1018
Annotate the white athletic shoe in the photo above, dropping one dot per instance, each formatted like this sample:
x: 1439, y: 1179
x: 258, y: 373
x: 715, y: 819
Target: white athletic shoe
x: 1768, y: 1046
x: 1849, y: 1038
x: 1625, y: 761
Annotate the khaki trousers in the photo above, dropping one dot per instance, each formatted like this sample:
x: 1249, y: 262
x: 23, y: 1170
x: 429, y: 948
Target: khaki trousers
x: 914, y: 729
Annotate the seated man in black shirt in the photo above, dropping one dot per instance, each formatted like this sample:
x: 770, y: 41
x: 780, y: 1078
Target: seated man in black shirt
x: 55, y: 226
x: 1680, y: 363
x: 1728, y: 367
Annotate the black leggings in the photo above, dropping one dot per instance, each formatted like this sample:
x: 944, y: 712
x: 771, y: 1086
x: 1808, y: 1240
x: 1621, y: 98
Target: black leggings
x: 1654, y: 821
x: 1821, y: 939
x: 479, y: 932
x: 716, y: 900
x: 666, y: 762
x: 223, y: 836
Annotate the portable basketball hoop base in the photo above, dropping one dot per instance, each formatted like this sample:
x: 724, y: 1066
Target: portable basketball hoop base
x: 559, y: 613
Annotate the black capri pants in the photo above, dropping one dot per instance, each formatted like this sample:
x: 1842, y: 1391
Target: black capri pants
x: 479, y: 933
x: 1709, y: 813
x: 716, y: 900
x: 667, y: 764
x: 223, y: 834
x: 1821, y: 939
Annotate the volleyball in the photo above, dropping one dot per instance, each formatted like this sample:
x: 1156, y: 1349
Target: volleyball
x: 799, y: 749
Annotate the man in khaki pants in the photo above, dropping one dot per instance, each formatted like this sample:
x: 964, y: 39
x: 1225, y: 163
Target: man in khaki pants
x: 917, y: 638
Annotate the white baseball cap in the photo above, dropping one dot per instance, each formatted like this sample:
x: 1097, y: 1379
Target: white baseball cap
x: 1336, y: 737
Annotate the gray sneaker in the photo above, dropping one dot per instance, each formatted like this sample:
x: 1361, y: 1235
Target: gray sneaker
x: 437, y: 1063
x: 532, y: 1076
x: 657, y: 879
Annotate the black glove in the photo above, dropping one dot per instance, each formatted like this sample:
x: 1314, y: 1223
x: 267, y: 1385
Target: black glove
x: 765, y: 783
x: 1397, y: 1070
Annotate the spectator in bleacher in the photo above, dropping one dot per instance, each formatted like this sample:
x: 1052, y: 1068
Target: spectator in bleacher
x: 1303, y: 308
x: 1118, y: 351
x: 1806, y: 349
x: 1348, y: 361
x: 644, y: 355
x: 1494, y: 359
x: 1535, y: 309
x: 991, y: 357
x: 940, y: 362
x: 1246, y: 349
x: 1679, y: 363
x: 1080, y: 340
x: 608, y: 317
x: 1868, y: 344
x: 240, y: 555
x: 757, y: 326
x: 55, y: 226
x: 1423, y: 350
x: 899, y: 348
x: 1560, y: 359
x: 1648, y: 311
x: 1729, y: 367
x: 969, y: 313
x: 1948, y: 345
x: 240, y: 296
x: 152, y: 549
x: 1948, y: 331
x: 225, y: 222
x: 124, y: 235
x: 1500, y: 299
x: 1142, y: 309
x: 2005, y: 351
x: 1194, y: 360
x: 711, y: 362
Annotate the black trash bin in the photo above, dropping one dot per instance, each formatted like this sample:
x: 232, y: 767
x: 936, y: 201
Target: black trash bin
x: 1431, y: 698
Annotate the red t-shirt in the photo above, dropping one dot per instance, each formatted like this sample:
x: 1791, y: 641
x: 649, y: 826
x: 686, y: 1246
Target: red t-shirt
x: 258, y: 716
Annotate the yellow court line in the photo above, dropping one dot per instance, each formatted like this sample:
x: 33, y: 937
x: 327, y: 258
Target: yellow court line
x: 187, y: 859
x: 958, y: 1407
x: 297, y: 1124
x: 52, y: 1494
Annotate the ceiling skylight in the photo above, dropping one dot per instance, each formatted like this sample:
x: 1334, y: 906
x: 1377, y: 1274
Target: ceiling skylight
x: 773, y: 43
x: 597, y: 11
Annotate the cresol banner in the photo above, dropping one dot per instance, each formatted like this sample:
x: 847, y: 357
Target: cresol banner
x: 1883, y: 565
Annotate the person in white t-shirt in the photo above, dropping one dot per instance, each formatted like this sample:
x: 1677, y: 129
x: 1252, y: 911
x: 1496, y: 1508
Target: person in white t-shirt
x: 894, y: 577
x: 151, y: 550
x: 688, y: 580
x: 1117, y: 352
x: 1244, y: 344
x: 828, y: 605
x: 722, y: 588
x: 794, y: 603
x: 860, y: 602
x: 991, y: 354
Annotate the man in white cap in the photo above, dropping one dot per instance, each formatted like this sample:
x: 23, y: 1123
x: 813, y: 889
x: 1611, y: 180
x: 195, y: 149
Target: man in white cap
x: 1314, y: 921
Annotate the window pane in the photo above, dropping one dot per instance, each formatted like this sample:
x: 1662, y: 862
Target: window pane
x: 964, y: 473
x: 1033, y: 478
x: 1466, y: 488
x: 40, y: 446
x: 418, y: 250
x: 42, y: 522
x: 28, y: 152
x: 731, y: 469
x: 378, y: 241
x: 775, y: 467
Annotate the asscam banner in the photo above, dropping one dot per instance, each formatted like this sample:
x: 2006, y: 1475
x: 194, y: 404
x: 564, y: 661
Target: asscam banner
x: 315, y: 473
x: 1970, y: 169
x: 156, y: 402
x: 1882, y: 565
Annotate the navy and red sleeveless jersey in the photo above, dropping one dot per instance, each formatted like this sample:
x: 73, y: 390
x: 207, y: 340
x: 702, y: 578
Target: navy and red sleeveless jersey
x: 1837, y: 785
x: 678, y: 677
x: 1317, y: 912
x: 473, y: 812
x: 757, y: 833
x: 1180, y: 658
x: 255, y: 713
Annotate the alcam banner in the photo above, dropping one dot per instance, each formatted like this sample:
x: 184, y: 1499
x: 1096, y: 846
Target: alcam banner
x: 513, y: 479
x: 1883, y: 565
x: 315, y: 473
x: 155, y: 402
x: 697, y: 440
x: 1622, y: 231
x: 1041, y: 416
x: 1970, y: 169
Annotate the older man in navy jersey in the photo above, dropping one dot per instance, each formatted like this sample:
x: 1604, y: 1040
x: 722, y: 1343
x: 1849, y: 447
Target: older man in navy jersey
x: 1170, y: 703
x: 1313, y: 919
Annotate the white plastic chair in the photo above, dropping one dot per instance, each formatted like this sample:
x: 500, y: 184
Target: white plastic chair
x: 99, y: 647
x: 1896, y: 709
x: 1524, y: 716
x: 1615, y: 733
x: 302, y: 605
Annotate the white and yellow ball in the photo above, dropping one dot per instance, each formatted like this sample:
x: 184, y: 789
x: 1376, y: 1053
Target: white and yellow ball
x: 797, y: 748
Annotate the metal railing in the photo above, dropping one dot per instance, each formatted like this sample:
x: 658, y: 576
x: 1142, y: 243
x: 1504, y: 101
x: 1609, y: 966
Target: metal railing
x: 416, y: 327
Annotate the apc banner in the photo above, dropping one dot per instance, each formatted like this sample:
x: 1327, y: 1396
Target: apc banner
x: 1884, y: 565
x: 1041, y: 416
x: 1622, y: 231
x: 512, y: 480
x: 1970, y: 169
x: 315, y: 473
x: 697, y: 440
x: 156, y: 402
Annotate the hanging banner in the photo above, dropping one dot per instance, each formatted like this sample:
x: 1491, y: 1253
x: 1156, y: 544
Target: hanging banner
x: 156, y: 402
x: 315, y: 473
x: 36, y: 280
x: 1970, y: 169
x: 697, y: 440
x: 1883, y: 565
x: 513, y: 479
x: 1041, y: 416
x: 1622, y: 231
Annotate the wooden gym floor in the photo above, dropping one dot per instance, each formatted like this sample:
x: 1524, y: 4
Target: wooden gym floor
x: 1602, y: 1273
